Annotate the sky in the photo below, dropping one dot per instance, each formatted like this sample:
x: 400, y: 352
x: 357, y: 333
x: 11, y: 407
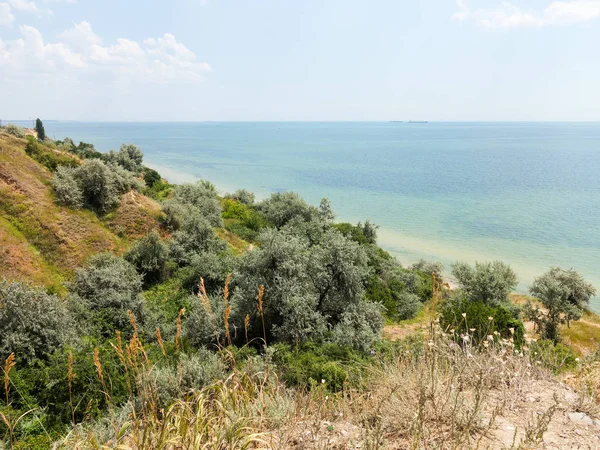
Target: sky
x: 313, y: 60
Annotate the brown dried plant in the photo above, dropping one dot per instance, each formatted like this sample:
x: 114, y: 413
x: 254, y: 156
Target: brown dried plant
x: 132, y: 320
x: 100, y: 373
x: 160, y: 341
x: 178, y: 329
x: 226, y: 289
x: 246, y: 323
x: 204, y: 299
x: 8, y: 366
x: 226, y: 315
x: 260, y: 306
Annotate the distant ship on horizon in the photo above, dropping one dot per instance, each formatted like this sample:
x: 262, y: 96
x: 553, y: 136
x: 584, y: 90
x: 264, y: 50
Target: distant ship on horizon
x: 395, y: 121
x: 417, y: 121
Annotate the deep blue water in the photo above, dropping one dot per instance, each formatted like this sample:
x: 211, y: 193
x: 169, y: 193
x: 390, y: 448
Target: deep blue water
x: 525, y: 193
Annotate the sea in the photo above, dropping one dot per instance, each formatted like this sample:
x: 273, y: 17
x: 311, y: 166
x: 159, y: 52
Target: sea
x: 525, y: 193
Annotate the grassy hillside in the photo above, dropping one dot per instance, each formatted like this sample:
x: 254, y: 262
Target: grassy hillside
x: 42, y: 241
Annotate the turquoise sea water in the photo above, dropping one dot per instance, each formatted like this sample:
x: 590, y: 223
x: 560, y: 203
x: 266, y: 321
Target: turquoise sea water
x: 525, y: 193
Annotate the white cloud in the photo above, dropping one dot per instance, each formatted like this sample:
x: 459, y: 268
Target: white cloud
x: 81, y: 36
x: 507, y: 15
x: 6, y: 15
x: 82, y: 51
x: 31, y: 55
x: 29, y: 7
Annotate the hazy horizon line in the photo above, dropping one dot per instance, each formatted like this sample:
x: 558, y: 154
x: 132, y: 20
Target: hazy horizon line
x: 415, y: 121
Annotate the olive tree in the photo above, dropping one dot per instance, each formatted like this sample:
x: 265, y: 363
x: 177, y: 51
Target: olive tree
x: 205, y: 325
x: 280, y: 260
x: 193, y: 199
x: 68, y: 144
x: 243, y: 196
x: 129, y: 157
x: 564, y: 294
x: 337, y: 268
x: 33, y: 323
x: 14, y: 130
x: 360, y: 326
x: 94, y: 184
x: 489, y: 282
x: 195, y: 236
x: 301, y: 319
x: 109, y: 287
x: 66, y: 187
x: 190, y: 373
x: 98, y: 185
x: 282, y: 208
x: 308, y: 287
x: 429, y: 267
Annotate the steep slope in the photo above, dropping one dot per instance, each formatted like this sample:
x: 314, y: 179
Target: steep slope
x: 43, y: 242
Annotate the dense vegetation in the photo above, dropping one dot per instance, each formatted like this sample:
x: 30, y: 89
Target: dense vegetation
x: 303, y: 296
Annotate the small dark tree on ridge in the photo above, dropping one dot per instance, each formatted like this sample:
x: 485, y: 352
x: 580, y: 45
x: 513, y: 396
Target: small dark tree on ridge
x: 39, y: 128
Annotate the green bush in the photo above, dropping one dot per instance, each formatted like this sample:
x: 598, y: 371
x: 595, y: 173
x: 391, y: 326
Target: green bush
x: 151, y: 177
x: 46, y: 157
x: 211, y: 267
x: 564, y: 295
x: 556, y: 357
x: 307, y: 286
x: 45, y: 384
x: 428, y: 267
x: 401, y: 291
x: 160, y: 190
x: 243, y: 220
x: 242, y: 231
x: 67, y: 145
x: 478, y: 321
x: 363, y: 234
x: 87, y: 151
x: 310, y: 364
x: 149, y: 255
x: 244, y: 214
x: 98, y: 184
